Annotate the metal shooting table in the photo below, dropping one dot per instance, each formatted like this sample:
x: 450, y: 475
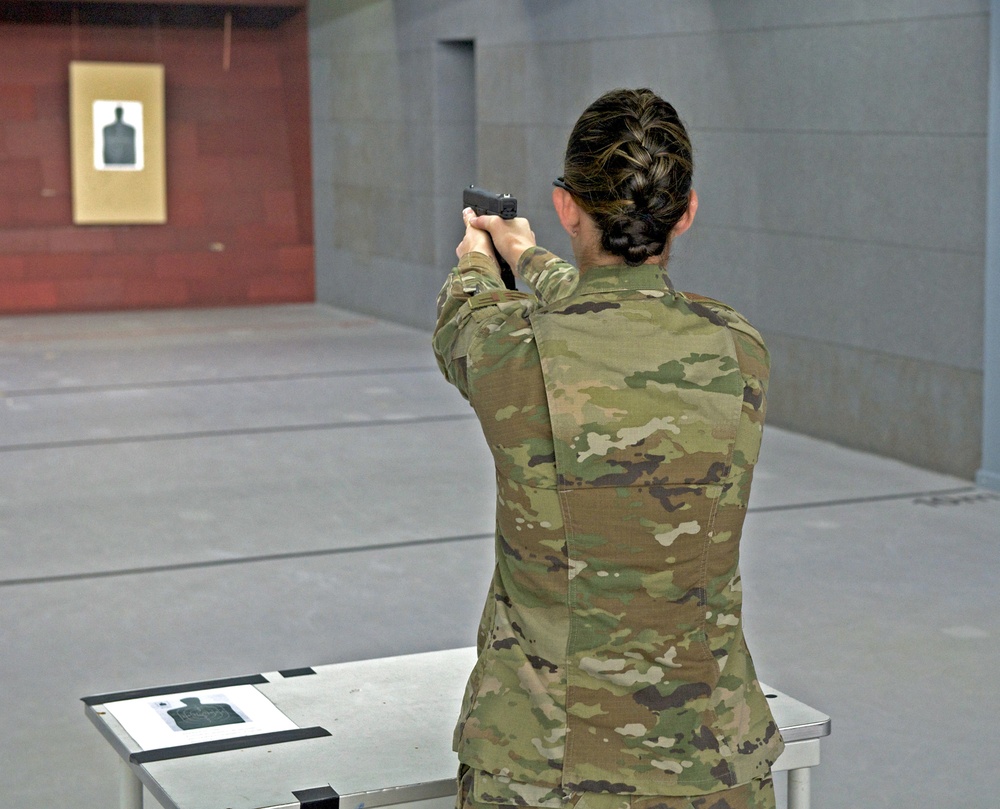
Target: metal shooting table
x: 370, y: 733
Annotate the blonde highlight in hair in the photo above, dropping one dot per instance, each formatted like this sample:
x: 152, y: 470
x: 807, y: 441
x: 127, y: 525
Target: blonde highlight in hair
x: 629, y: 163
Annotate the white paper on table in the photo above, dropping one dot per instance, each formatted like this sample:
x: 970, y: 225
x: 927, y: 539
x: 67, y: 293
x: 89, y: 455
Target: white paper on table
x: 190, y: 717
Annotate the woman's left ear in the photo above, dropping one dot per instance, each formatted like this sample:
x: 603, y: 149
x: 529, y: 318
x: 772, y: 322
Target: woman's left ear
x: 685, y: 221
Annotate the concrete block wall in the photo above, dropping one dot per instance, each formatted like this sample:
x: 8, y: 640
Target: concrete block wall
x: 841, y: 156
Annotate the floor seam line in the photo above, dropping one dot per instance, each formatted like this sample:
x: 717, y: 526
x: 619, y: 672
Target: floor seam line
x: 278, y: 557
x: 232, y: 433
x: 209, y: 381
x: 242, y: 560
x: 850, y: 501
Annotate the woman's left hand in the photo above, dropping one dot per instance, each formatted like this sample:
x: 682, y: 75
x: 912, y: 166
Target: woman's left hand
x: 475, y: 239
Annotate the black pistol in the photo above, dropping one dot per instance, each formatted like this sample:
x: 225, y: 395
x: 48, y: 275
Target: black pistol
x: 486, y: 203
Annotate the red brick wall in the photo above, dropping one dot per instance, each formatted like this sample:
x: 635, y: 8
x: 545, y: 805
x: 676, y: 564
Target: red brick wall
x: 239, y: 199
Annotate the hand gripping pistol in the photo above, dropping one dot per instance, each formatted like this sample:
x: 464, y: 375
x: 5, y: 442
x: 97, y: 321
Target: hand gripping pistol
x: 486, y: 203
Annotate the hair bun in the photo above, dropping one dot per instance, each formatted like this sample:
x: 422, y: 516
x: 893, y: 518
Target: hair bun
x: 633, y: 236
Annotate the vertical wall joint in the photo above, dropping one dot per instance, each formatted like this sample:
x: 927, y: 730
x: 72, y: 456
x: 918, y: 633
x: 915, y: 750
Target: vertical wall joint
x: 989, y: 473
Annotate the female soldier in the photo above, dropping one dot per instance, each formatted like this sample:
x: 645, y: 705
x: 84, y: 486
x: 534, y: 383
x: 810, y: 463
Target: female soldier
x: 625, y: 419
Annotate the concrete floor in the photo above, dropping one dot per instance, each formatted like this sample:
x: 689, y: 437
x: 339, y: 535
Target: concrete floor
x: 191, y: 495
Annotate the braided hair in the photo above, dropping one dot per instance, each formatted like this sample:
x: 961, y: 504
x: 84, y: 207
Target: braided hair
x: 629, y: 164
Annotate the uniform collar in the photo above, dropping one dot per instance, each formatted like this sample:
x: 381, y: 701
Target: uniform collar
x: 612, y: 277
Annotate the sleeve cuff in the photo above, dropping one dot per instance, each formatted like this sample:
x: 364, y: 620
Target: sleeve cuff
x: 480, y: 263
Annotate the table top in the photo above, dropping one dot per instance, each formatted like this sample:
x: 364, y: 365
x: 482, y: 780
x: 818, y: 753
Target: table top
x: 377, y: 731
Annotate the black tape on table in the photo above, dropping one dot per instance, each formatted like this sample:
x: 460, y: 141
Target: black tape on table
x: 325, y: 797
x: 222, y: 745
x: 203, y: 685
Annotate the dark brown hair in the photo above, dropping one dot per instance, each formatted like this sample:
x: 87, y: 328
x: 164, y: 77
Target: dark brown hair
x: 629, y: 164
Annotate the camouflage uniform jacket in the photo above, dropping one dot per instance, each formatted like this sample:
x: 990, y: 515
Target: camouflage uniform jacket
x: 625, y: 420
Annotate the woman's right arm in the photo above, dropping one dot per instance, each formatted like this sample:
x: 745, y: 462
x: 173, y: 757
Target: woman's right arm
x: 549, y: 276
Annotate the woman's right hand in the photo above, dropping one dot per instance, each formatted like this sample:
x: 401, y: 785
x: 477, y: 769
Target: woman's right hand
x: 511, y: 237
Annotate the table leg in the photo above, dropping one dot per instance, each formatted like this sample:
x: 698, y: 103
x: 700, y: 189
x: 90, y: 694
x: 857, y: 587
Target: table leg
x: 798, y: 788
x: 130, y: 788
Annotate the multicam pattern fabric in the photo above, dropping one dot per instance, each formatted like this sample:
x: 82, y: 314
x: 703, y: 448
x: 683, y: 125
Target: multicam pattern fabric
x: 625, y: 420
x: 479, y: 790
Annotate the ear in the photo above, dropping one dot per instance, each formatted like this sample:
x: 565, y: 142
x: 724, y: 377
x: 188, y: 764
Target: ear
x: 685, y: 221
x: 567, y: 210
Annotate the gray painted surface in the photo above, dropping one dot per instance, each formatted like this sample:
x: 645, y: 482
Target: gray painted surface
x: 989, y: 472
x: 840, y: 150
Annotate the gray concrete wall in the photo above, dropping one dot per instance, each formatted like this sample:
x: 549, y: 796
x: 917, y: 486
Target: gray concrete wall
x: 841, y: 164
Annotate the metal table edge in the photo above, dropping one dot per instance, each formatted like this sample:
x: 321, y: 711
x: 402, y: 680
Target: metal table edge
x: 406, y: 793
x: 807, y: 731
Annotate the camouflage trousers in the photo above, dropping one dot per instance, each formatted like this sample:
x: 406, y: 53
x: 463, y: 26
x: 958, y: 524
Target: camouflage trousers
x: 482, y: 793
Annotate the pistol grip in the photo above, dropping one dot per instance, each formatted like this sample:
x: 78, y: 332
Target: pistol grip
x: 506, y: 273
